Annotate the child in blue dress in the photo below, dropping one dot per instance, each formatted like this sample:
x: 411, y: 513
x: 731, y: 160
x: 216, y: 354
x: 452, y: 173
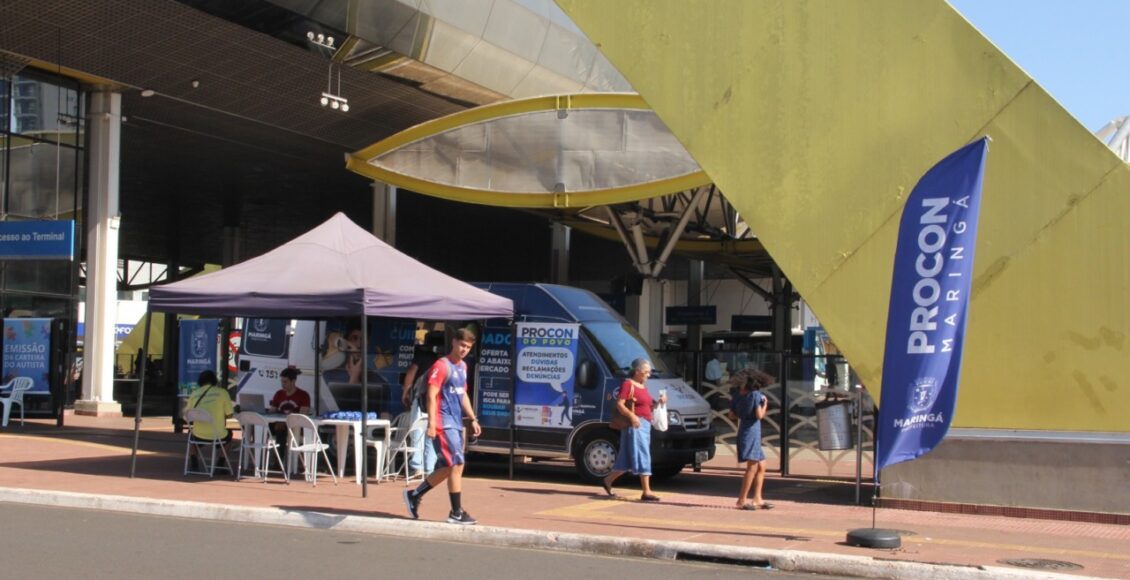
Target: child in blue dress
x: 749, y: 406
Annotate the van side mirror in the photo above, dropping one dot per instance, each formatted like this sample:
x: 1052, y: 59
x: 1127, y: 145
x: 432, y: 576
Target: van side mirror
x: 586, y: 374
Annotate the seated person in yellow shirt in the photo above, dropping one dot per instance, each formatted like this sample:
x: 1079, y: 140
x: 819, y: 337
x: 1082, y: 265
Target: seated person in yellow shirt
x: 210, y: 397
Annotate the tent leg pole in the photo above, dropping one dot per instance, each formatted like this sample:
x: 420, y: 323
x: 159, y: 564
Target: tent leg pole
x: 140, y: 396
x: 364, y: 404
x: 513, y: 390
x: 317, y: 367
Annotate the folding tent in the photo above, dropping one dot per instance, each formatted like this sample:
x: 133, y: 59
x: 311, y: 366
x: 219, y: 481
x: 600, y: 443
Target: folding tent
x: 335, y: 270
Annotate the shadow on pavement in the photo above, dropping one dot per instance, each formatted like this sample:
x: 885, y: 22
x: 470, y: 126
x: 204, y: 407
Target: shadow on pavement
x: 335, y: 515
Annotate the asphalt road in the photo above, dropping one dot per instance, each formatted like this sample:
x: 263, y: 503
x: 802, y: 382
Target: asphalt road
x: 44, y: 542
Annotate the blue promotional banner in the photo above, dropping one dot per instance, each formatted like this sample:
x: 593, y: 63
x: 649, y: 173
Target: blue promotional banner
x: 929, y: 297
x: 546, y: 358
x: 27, y: 351
x: 494, y: 377
x: 37, y: 240
x: 199, y: 351
x: 391, y: 345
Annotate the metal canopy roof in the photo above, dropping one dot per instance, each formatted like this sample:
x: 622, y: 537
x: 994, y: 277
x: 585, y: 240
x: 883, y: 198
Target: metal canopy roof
x: 560, y: 151
x: 234, y: 134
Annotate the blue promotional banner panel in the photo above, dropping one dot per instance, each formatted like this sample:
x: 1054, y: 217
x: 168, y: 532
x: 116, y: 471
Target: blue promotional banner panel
x: 929, y: 297
x: 37, y: 240
x: 27, y: 351
x: 391, y: 345
x: 546, y: 359
x: 199, y: 352
x: 494, y: 375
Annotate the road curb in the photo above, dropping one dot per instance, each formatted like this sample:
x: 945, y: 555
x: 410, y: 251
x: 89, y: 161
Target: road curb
x: 788, y: 560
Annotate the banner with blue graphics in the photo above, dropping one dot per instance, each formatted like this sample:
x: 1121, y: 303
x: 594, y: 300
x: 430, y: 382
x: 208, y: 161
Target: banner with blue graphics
x: 929, y: 297
x: 199, y: 351
x: 27, y: 351
x: 546, y: 359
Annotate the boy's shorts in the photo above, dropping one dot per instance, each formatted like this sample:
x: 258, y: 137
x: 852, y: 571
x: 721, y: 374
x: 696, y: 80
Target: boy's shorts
x: 448, y: 446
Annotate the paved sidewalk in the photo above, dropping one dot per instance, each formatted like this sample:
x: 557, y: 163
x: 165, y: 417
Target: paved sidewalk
x: 546, y: 506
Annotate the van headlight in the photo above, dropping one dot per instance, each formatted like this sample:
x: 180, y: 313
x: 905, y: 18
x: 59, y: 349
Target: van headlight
x: 674, y: 418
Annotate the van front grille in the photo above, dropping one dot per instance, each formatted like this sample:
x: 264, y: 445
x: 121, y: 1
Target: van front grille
x: 695, y: 422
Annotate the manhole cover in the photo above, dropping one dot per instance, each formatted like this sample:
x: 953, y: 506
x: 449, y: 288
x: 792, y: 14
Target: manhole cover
x: 1041, y: 564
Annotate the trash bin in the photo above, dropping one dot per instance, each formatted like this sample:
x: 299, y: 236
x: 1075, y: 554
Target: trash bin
x: 833, y: 424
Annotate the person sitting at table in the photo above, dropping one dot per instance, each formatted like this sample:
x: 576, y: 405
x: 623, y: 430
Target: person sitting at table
x: 209, y: 397
x: 289, y: 399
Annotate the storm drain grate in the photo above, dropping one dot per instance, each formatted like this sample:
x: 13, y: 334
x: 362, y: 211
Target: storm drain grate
x: 709, y: 559
x: 1041, y: 564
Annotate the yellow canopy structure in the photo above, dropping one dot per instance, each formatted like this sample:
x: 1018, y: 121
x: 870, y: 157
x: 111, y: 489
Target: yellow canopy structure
x: 136, y: 336
x: 542, y: 152
x: 817, y: 118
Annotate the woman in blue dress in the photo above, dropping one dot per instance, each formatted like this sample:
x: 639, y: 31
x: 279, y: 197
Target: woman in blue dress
x: 749, y: 406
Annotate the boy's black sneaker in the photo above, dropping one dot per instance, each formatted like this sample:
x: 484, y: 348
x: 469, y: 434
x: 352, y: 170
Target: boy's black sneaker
x: 413, y: 504
x: 462, y: 518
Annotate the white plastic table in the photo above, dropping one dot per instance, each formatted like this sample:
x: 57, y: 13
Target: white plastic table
x: 342, y: 429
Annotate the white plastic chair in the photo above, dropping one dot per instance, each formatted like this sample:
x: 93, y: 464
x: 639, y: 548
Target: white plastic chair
x: 193, y: 416
x: 304, y: 439
x: 16, y: 389
x: 401, y: 446
x: 260, y: 443
x: 380, y: 445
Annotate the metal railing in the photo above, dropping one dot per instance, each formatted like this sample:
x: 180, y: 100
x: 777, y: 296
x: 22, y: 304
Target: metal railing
x: 790, y: 432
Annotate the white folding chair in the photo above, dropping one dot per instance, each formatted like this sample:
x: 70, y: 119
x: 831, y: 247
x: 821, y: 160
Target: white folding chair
x: 379, y: 444
x: 401, y: 446
x: 15, y: 389
x: 257, y: 439
x: 304, y: 439
x: 193, y: 416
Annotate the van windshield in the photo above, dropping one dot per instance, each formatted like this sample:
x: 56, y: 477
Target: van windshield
x: 619, y: 344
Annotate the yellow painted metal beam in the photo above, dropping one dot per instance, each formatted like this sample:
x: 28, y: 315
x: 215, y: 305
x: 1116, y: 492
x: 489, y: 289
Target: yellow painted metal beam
x: 817, y: 117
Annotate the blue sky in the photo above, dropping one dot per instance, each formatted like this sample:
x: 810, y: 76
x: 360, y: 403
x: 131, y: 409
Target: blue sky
x: 1078, y: 50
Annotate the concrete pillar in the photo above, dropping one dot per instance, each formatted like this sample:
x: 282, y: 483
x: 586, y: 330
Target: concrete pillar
x: 559, y: 253
x: 102, y: 220
x: 231, y: 246
x: 384, y: 212
x: 694, y: 298
x: 233, y: 213
x: 645, y: 312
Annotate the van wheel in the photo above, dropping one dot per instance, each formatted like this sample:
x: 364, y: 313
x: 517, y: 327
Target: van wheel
x: 596, y: 455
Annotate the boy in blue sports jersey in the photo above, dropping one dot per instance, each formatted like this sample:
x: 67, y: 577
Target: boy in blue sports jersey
x: 447, y: 403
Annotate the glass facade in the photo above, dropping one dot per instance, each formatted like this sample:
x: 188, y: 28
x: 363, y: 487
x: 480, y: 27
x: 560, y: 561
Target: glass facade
x: 41, y: 178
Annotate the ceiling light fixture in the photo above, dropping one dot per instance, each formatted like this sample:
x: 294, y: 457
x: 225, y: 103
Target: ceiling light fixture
x: 321, y: 40
x: 148, y: 92
x: 334, y: 100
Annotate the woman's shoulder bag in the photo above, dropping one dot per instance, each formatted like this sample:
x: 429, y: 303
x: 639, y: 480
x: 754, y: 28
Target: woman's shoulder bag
x: 619, y: 420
